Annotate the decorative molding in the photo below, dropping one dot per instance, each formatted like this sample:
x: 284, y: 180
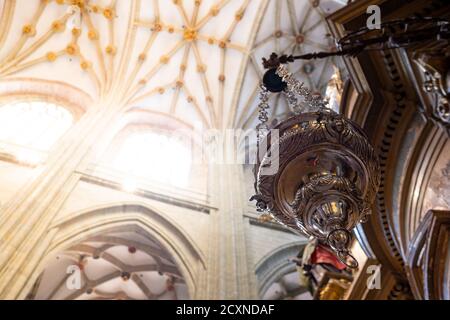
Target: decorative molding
x: 389, y: 113
x: 428, y: 261
x: 435, y: 66
x: 426, y: 152
x: 256, y: 221
x: 146, y: 193
x: 61, y: 93
x: 400, y: 111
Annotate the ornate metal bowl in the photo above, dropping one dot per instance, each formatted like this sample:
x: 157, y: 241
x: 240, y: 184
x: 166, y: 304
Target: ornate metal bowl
x: 327, y: 177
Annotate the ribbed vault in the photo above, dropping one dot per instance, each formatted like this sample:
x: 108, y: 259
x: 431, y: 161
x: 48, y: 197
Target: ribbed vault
x: 185, y: 58
x: 117, y: 265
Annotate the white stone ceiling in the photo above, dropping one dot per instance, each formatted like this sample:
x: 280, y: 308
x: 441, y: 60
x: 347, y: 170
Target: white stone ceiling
x: 198, y: 61
x: 113, y: 266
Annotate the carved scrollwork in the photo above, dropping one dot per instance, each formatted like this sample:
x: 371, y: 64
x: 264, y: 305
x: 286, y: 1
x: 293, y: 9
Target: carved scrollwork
x: 435, y: 67
x: 327, y: 178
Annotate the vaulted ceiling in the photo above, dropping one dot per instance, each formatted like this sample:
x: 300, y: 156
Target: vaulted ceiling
x: 117, y: 266
x: 196, y: 60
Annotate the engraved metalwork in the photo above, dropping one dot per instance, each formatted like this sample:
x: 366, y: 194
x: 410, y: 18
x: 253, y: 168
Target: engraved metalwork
x: 328, y: 172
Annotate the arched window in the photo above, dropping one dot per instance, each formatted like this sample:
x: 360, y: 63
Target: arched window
x: 154, y: 156
x: 28, y: 129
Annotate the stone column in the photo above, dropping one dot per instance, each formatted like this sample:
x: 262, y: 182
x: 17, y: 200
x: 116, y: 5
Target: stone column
x: 230, y: 273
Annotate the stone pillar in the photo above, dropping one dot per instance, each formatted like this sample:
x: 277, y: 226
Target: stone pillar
x: 229, y: 274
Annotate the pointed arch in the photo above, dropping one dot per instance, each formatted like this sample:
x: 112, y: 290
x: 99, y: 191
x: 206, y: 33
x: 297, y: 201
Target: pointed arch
x: 275, y: 264
x: 134, y: 217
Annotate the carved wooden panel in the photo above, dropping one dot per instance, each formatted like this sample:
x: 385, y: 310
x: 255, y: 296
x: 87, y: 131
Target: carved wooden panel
x: 428, y: 263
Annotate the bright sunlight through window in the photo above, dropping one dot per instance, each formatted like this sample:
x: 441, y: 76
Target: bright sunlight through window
x: 156, y: 157
x: 29, y: 129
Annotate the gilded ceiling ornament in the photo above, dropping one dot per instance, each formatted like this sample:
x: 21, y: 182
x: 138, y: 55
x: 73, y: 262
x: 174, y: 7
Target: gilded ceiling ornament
x: 164, y: 59
x: 201, y: 68
x: 79, y: 3
x: 142, y: 57
x: 92, y: 34
x: 29, y: 30
x: 51, y: 56
x: 108, y: 13
x: 72, y: 49
x: 58, y: 26
x: 76, y: 32
x: 214, y: 11
x: 85, y: 64
x: 190, y: 34
x: 95, y: 8
x: 157, y: 27
x: 110, y: 49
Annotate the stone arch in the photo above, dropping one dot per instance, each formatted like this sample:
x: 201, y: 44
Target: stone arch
x: 57, y: 106
x: 135, y: 217
x: 276, y: 264
x: 72, y: 98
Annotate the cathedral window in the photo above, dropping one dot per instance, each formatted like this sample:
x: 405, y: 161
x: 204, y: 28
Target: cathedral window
x: 29, y: 129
